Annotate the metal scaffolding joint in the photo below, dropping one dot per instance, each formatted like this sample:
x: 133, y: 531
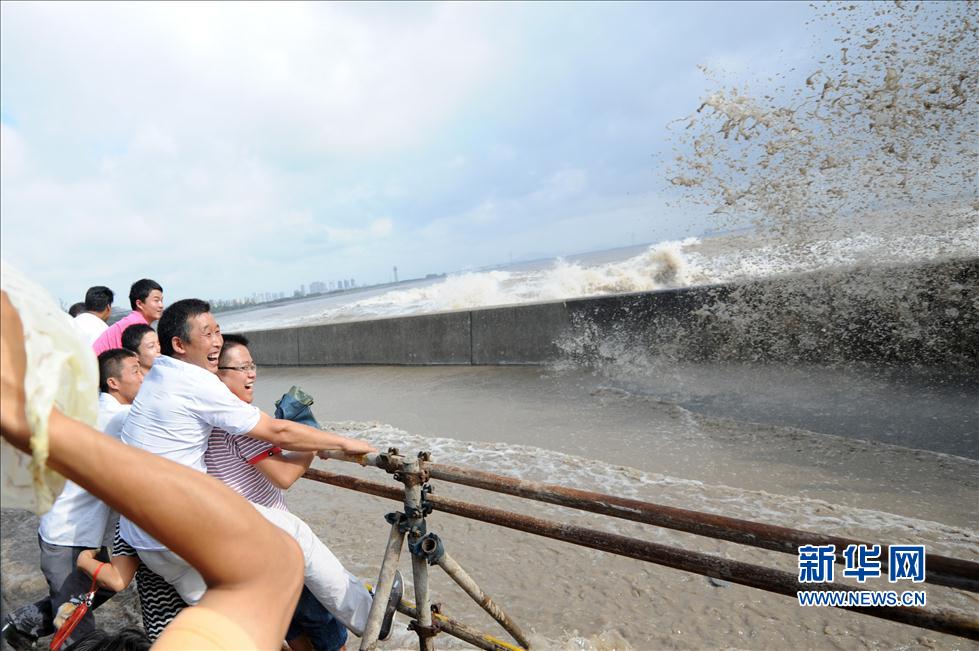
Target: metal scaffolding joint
x: 390, y: 461
x: 407, y: 524
x: 429, y: 548
x: 425, y: 631
x: 426, y: 505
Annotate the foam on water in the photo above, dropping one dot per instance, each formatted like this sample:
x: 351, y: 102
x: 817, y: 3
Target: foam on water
x: 537, y: 464
x: 875, y: 240
x: 661, y: 266
x: 671, y: 264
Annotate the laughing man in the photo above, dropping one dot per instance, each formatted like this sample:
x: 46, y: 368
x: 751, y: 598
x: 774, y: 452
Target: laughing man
x: 180, y: 402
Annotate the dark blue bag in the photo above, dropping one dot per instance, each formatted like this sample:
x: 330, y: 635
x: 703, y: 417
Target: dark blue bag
x: 294, y: 405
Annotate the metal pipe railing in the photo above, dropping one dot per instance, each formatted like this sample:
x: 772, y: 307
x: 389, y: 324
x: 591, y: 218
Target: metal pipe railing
x: 943, y: 620
x: 426, y: 549
x: 462, y: 578
x: 942, y: 570
x: 459, y: 630
x: 410, y: 474
x: 389, y: 565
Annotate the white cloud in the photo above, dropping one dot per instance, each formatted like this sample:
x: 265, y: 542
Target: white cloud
x: 13, y: 153
x: 377, y: 229
x: 319, y: 74
x: 153, y: 141
x: 149, y: 133
x: 234, y: 147
x: 563, y: 184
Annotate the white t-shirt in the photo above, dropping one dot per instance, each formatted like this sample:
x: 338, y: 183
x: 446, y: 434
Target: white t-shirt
x: 174, y: 412
x: 78, y: 518
x: 90, y: 326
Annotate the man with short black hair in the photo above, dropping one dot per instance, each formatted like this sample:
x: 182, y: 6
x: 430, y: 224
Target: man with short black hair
x: 142, y: 340
x: 120, y: 377
x: 98, y: 306
x: 76, y: 309
x: 78, y: 520
x: 146, y: 299
x: 179, y: 404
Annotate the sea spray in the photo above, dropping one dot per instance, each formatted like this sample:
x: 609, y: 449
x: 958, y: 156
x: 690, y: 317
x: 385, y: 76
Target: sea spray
x: 914, y: 315
x: 885, y: 122
x: 660, y: 266
x: 863, y: 172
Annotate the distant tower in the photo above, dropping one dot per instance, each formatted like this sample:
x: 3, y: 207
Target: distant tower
x: 396, y: 273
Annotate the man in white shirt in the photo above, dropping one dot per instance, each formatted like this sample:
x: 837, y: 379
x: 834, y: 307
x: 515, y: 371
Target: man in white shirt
x: 179, y: 404
x: 98, y: 306
x: 78, y: 520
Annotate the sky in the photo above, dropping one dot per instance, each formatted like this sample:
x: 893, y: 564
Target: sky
x: 230, y: 148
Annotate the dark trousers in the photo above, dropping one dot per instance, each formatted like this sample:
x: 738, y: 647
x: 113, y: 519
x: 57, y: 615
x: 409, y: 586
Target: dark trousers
x: 317, y: 623
x: 64, y: 582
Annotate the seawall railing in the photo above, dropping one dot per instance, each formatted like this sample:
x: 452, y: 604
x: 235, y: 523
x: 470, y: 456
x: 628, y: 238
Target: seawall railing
x: 428, y: 549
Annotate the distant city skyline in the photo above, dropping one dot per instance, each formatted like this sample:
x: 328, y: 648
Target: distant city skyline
x: 316, y: 288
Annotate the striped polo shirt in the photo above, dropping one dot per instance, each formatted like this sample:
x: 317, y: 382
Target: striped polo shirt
x: 232, y: 459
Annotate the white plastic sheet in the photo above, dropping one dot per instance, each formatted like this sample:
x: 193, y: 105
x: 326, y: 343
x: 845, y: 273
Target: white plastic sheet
x: 62, y: 370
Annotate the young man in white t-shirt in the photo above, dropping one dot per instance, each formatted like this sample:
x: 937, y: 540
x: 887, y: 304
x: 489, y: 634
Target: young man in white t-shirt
x: 93, y: 321
x: 180, y: 402
x: 78, y: 520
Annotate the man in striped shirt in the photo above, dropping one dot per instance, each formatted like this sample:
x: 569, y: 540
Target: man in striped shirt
x: 260, y: 471
x: 256, y: 469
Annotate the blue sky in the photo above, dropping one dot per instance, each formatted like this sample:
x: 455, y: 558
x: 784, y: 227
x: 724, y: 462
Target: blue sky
x: 224, y: 149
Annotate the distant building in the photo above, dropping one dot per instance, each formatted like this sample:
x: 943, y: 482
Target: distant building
x: 317, y: 287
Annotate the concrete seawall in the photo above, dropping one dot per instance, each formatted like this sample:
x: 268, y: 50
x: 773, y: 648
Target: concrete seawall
x: 912, y: 314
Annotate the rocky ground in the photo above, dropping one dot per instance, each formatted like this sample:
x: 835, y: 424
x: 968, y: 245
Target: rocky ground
x: 23, y: 582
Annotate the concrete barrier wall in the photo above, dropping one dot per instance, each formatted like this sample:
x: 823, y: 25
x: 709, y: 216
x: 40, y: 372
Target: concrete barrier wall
x: 522, y: 334
x: 275, y: 347
x: 903, y: 314
x: 426, y: 339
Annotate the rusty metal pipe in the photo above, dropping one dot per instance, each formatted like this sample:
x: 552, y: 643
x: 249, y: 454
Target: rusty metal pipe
x: 459, y: 630
x: 419, y: 571
x: 755, y: 576
x: 466, y: 582
x: 410, y: 475
x: 942, y: 570
x: 392, y: 553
